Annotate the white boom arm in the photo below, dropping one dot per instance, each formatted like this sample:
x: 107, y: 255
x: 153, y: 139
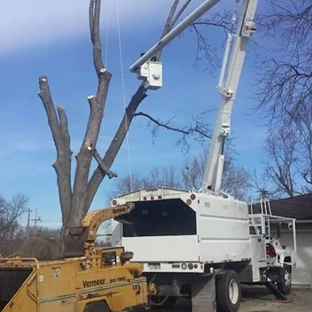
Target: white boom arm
x: 232, y: 65
x: 228, y: 83
x: 176, y: 31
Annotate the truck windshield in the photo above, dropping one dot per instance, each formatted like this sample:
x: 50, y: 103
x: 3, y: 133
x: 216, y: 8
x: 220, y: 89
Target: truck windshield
x: 159, y: 218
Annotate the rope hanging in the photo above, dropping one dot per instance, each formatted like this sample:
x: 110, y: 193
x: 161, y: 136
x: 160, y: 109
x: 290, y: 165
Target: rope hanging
x: 124, y: 92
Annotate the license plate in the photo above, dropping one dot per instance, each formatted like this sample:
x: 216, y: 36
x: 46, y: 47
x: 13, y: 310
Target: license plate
x: 154, y: 266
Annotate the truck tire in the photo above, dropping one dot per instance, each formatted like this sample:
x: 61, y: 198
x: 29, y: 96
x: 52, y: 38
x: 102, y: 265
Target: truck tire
x: 228, y: 292
x: 96, y: 307
x: 284, y: 285
x: 163, y: 302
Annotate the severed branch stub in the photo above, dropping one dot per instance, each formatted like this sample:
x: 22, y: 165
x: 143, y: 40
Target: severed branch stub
x: 98, y: 158
x: 92, y: 100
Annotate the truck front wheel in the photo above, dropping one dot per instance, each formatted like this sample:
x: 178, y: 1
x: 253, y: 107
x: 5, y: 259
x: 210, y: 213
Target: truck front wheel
x: 228, y: 291
x: 284, y: 284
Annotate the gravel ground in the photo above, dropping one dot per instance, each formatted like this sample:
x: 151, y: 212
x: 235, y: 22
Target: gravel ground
x: 259, y: 299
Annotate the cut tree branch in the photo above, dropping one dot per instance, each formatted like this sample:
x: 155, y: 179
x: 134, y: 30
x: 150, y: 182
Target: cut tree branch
x: 97, y: 107
x: 114, y: 147
x: 64, y: 125
x: 61, y: 137
x: 98, y: 158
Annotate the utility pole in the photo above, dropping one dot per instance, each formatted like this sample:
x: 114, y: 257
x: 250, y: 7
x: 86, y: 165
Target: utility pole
x: 28, y: 221
x: 36, y: 220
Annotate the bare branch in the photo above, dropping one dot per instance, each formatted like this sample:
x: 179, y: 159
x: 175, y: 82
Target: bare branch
x: 172, y: 19
x: 180, y: 12
x: 206, y: 53
x: 114, y: 147
x: 209, y: 52
x: 98, y: 158
x: 185, y: 131
x: 46, y: 98
x: 60, y: 134
x: 10, y: 211
x: 169, y: 24
x: 97, y: 106
x: 286, y: 86
x: 64, y: 125
x: 282, y: 164
x: 94, y: 23
x: 223, y: 23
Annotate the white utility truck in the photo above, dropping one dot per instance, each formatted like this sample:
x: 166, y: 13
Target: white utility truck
x: 203, y: 244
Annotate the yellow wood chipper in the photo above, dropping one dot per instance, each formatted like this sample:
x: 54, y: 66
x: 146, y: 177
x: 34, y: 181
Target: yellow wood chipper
x: 88, y: 279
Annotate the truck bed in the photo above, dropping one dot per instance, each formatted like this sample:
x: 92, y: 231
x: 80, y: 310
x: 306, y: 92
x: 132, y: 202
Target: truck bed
x: 179, y: 226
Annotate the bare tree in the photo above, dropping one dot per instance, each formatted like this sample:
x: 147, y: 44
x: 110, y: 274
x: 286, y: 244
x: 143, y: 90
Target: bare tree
x: 193, y: 172
x: 304, y: 129
x: 41, y: 243
x: 286, y: 83
x: 286, y: 94
x: 289, y: 164
x: 76, y: 196
x: 10, y: 229
x: 236, y: 180
x: 281, y: 166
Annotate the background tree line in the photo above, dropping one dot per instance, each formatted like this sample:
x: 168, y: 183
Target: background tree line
x: 27, y: 241
x: 237, y: 181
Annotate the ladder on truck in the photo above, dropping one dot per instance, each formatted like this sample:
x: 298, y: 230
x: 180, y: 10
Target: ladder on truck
x: 260, y: 222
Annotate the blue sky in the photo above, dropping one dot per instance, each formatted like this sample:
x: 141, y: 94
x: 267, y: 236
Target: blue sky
x: 53, y: 40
